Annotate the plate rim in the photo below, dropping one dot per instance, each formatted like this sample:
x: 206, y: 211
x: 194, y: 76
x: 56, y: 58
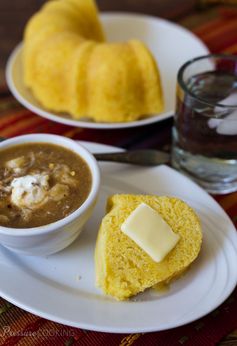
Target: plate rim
x: 68, y: 121
x: 130, y: 330
x: 50, y: 115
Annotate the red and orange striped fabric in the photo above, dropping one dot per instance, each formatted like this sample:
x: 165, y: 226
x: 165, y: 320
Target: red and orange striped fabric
x: 18, y: 327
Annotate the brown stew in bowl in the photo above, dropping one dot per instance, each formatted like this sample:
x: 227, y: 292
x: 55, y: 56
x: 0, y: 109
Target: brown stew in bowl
x: 40, y: 183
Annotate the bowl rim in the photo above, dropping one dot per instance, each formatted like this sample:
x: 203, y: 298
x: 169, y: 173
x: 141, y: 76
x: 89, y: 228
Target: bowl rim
x: 70, y: 145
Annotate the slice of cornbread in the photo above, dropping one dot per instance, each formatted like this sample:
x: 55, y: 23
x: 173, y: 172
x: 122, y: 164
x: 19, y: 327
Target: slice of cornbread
x: 123, y: 269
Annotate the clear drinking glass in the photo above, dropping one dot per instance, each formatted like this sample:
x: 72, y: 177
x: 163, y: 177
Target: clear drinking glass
x: 205, y: 122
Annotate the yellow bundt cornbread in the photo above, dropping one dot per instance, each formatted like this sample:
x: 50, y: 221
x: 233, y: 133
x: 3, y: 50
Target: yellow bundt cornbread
x: 70, y: 68
x: 123, y: 269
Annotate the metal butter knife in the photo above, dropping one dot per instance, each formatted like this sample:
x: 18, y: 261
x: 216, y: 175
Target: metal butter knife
x: 142, y: 157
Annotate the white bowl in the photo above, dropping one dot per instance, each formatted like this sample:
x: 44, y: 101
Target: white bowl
x: 51, y: 238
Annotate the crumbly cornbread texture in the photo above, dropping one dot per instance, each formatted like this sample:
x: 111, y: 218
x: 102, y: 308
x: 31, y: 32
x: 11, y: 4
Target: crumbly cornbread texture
x: 123, y: 269
x: 70, y: 68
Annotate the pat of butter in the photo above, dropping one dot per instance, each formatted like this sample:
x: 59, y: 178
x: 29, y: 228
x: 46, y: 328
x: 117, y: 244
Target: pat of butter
x: 149, y: 230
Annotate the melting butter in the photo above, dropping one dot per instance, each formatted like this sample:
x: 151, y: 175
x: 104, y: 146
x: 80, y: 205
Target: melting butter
x: 149, y: 230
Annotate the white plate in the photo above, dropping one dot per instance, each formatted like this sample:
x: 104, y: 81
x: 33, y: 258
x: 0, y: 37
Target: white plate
x: 50, y: 287
x: 171, y: 44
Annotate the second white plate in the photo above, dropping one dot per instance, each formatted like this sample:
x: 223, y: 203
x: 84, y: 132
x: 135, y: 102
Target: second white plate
x: 171, y: 45
x: 62, y: 288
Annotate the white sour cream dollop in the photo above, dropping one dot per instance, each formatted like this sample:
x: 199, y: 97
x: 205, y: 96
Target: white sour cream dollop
x: 30, y: 191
